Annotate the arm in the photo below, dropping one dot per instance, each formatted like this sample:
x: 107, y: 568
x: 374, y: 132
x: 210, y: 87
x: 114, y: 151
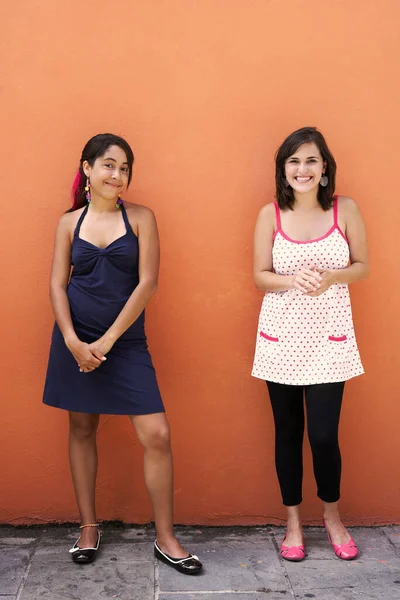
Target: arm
x: 264, y: 277
x: 357, y: 239
x: 149, y: 260
x: 60, y: 271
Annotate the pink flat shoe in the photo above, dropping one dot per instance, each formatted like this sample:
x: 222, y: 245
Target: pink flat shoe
x: 293, y: 553
x: 347, y: 551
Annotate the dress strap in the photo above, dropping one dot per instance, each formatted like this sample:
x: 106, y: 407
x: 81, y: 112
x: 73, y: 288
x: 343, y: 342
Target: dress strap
x: 125, y: 217
x: 79, y: 223
x: 278, y: 217
x: 335, y: 217
x: 335, y: 211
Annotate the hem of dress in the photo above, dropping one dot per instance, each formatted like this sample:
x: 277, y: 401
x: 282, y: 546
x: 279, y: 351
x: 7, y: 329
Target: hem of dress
x: 313, y: 382
x: 118, y: 414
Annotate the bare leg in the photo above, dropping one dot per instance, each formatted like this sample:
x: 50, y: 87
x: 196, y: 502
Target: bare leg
x: 294, y: 532
x: 153, y: 433
x: 83, y: 463
x: 334, y: 525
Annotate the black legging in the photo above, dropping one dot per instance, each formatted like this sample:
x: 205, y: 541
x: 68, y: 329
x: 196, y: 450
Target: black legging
x: 323, y: 403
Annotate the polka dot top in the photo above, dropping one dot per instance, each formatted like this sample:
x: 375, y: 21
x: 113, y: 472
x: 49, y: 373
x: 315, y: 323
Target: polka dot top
x: 305, y: 340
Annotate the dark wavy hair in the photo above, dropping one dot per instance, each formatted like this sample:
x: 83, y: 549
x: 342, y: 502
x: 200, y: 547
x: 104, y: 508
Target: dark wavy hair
x: 305, y: 135
x: 96, y: 147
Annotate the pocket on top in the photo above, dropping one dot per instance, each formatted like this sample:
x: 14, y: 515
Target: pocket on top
x: 338, y: 348
x: 268, y: 337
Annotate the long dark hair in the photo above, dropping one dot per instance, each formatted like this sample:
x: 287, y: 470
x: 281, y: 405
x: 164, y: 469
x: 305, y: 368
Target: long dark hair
x: 305, y: 135
x: 97, y: 146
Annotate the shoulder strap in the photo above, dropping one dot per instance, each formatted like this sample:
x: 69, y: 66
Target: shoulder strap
x: 278, y: 217
x: 125, y: 217
x: 335, y: 210
x: 79, y: 223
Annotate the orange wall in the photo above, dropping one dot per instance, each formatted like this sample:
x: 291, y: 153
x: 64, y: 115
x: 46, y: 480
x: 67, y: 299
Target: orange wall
x: 204, y: 91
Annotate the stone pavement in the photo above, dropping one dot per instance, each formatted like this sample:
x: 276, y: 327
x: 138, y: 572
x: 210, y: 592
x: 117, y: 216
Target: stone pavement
x: 241, y: 563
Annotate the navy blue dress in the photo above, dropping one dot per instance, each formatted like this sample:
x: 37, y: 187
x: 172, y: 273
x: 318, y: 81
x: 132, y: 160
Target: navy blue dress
x: 101, y: 282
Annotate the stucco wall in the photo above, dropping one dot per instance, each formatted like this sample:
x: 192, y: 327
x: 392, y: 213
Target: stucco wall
x: 204, y: 92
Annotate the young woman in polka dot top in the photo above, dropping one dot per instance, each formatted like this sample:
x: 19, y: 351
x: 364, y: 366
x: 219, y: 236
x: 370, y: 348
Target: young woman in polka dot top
x: 308, y: 247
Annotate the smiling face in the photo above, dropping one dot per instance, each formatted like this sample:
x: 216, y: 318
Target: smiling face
x: 109, y: 175
x: 304, y: 168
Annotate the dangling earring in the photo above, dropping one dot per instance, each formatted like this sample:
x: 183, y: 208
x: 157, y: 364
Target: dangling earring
x: 119, y: 202
x: 287, y: 183
x: 324, y: 180
x: 87, y: 190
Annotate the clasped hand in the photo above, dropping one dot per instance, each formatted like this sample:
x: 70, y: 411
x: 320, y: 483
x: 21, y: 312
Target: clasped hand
x: 313, y: 282
x: 90, y: 356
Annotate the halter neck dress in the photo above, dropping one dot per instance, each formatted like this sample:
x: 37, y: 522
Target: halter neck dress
x: 101, y: 282
x: 305, y: 340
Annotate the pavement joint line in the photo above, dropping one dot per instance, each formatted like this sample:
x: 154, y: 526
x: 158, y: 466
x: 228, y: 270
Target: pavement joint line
x: 396, y: 549
x: 156, y: 580
x: 25, y: 577
x: 26, y: 574
x: 216, y: 592
x: 282, y: 563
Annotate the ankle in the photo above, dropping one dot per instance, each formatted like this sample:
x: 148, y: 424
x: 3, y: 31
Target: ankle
x: 332, y: 518
x: 293, y: 523
x: 165, y: 538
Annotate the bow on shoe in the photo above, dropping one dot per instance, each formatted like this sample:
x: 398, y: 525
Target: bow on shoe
x: 190, y: 565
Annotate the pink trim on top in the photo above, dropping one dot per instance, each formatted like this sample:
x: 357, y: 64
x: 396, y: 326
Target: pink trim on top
x: 278, y: 220
x: 335, y: 210
x: 342, y: 338
x: 269, y: 337
x: 331, y: 230
x: 335, y: 217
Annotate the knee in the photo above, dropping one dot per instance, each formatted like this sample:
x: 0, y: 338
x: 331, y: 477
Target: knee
x: 83, y: 428
x: 323, y: 439
x: 158, y: 439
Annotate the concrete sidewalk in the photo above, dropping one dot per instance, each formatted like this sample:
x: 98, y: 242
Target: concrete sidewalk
x: 240, y: 563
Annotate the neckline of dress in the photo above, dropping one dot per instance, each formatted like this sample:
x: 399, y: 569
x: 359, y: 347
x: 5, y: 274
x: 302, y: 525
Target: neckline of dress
x: 126, y: 223
x: 319, y: 239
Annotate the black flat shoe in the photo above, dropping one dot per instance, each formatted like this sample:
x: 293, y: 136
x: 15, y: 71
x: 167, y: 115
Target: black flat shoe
x: 83, y: 556
x: 188, y: 566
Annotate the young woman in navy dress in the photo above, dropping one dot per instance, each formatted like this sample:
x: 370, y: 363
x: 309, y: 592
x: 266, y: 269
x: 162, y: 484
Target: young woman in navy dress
x: 104, y: 272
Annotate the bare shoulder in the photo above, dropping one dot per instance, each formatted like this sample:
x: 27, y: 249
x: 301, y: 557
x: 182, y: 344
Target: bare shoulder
x: 138, y: 211
x: 140, y: 216
x: 349, y: 213
x: 266, y: 220
x: 267, y: 213
x: 347, y: 205
x: 68, y: 221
